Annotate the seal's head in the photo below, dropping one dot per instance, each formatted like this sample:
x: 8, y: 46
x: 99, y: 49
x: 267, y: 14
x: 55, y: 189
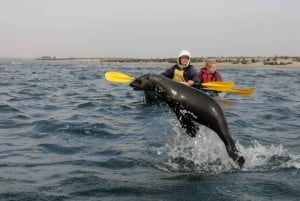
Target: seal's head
x: 143, y: 83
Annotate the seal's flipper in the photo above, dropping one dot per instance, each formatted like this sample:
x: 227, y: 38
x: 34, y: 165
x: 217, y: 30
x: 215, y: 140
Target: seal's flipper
x: 188, y: 124
x: 187, y: 121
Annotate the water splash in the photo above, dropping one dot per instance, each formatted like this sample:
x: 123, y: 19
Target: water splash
x: 206, y: 153
x: 266, y: 157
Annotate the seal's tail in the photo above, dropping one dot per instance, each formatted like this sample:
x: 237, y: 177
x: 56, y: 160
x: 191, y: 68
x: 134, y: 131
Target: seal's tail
x: 241, y: 161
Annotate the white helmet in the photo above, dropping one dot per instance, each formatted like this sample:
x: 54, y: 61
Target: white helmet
x: 184, y: 53
x: 181, y: 54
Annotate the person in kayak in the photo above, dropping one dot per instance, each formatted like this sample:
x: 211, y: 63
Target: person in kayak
x: 183, y: 71
x: 209, y: 72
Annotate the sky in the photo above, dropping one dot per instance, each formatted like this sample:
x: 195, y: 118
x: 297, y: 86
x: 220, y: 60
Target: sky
x: 149, y: 28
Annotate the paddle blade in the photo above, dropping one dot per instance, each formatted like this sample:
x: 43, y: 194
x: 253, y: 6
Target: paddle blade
x: 227, y: 84
x: 114, y: 76
x: 244, y: 92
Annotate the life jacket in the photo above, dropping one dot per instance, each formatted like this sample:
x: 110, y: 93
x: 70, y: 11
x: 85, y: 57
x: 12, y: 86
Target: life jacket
x: 205, y: 76
x: 178, y: 75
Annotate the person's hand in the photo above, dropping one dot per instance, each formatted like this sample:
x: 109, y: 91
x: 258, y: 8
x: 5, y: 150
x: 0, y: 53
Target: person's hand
x: 190, y: 82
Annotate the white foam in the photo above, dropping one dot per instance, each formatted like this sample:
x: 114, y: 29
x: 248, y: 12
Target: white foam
x: 207, y: 153
x: 265, y: 157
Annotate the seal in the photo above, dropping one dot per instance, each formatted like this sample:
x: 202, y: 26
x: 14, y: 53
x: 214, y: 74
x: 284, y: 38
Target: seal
x: 192, y: 107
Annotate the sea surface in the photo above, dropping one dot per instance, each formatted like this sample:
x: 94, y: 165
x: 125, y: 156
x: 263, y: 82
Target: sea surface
x: 68, y: 134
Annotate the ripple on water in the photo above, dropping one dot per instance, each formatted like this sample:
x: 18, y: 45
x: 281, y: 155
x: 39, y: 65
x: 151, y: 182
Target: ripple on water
x: 86, y: 105
x: 29, y: 196
x: 6, y: 108
x: 60, y: 149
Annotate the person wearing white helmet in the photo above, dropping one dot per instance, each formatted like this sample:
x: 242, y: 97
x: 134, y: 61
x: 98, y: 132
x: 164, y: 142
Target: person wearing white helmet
x: 183, y: 71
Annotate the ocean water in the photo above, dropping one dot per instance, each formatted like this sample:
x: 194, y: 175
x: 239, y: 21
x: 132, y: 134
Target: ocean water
x: 68, y: 134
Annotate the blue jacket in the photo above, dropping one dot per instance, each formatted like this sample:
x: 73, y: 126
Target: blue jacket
x: 190, y: 73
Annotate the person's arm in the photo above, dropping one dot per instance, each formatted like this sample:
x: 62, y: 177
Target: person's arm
x: 194, y: 80
x: 168, y: 73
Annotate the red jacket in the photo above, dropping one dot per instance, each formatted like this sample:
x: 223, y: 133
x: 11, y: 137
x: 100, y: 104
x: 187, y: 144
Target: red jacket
x: 204, y: 76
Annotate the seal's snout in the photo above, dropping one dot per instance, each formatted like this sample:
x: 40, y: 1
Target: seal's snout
x: 136, y: 83
x: 141, y: 83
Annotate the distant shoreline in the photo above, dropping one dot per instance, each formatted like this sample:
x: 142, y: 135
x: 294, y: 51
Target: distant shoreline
x: 196, y: 64
x: 264, y: 62
x: 259, y: 65
x: 290, y: 62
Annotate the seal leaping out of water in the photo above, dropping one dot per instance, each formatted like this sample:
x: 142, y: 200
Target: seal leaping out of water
x: 191, y: 106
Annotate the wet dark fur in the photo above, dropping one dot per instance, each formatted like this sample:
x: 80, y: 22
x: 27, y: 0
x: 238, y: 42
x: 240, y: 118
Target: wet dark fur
x: 191, y: 106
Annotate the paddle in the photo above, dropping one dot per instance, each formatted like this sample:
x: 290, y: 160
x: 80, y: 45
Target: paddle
x: 244, y: 92
x: 114, y: 76
x: 226, y: 86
